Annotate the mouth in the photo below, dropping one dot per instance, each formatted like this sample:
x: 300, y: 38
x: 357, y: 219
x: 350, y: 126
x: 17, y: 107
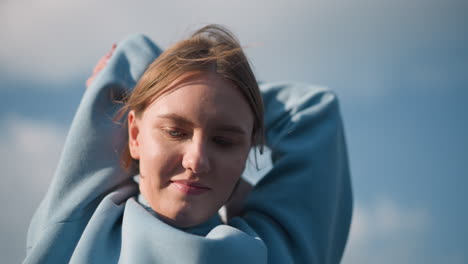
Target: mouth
x: 190, y: 187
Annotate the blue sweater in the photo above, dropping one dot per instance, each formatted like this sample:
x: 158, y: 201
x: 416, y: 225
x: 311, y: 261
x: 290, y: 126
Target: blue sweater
x: 299, y: 212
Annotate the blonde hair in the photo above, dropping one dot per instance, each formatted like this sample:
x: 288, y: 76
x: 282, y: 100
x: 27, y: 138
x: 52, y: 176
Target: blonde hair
x: 212, y: 48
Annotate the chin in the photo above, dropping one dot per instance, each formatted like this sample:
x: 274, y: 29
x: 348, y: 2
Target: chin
x: 185, y: 219
x: 183, y: 214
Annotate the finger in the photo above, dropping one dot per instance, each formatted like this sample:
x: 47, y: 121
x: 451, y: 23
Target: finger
x: 111, y: 51
x: 103, y: 61
x: 89, y: 81
x: 101, y: 64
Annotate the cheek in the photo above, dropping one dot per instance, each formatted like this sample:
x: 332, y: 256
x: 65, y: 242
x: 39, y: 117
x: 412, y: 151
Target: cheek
x: 158, y: 158
x: 237, y: 164
x: 232, y: 168
x: 158, y: 163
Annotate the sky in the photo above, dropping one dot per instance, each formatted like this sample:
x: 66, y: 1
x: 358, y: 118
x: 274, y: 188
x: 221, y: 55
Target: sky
x: 400, y: 69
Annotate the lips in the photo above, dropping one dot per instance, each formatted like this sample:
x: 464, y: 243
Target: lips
x: 190, y: 187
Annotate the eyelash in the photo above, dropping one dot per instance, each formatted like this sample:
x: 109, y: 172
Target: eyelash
x: 178, y: 134
x: 225, y: 143
x: 170, y: 132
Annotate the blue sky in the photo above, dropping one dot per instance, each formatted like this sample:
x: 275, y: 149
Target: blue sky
x: 399, y: 68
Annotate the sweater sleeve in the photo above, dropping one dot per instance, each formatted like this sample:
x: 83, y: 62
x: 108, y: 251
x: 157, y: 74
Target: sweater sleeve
x: 89, y: 168
x: 302, y: 208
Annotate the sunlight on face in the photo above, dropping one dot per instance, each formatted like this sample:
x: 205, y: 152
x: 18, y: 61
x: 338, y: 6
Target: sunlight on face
x: 192, y: 144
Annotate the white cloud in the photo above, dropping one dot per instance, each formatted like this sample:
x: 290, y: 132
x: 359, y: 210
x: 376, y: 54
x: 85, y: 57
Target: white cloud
x: 386, y: 232
x: 30, y: 146
x: 53, y: 39
x: 355, y: 47
x: 291, y: 40
x: 29, y: 153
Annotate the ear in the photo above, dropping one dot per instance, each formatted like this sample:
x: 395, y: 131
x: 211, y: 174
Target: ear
x: 133, y: 133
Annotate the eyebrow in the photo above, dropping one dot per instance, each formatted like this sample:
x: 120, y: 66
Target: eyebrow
x: 224, y: 128
x: 231, y: 129
x: 177, y: 118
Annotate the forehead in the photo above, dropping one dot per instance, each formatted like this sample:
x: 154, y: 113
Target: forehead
x: 204, y: 98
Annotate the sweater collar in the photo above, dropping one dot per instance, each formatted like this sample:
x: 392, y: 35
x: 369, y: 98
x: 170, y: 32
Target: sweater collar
x: 202, y: 229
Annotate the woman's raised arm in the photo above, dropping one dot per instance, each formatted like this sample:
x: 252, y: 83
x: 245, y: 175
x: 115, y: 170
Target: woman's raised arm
x: 89, y: 165
x: 302, y: 208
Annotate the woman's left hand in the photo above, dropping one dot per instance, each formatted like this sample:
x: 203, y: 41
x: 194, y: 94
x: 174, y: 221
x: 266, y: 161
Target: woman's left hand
x: 100, y: 65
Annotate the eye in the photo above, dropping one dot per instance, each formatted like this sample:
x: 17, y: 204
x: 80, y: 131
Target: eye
x: 174, y: 133
x: 223, y: 142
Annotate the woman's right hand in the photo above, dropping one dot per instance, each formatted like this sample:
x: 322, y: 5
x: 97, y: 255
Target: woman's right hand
x: 100, y: 65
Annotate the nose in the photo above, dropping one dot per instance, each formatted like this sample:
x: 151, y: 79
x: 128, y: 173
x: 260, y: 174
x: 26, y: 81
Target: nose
x: 196, y: 157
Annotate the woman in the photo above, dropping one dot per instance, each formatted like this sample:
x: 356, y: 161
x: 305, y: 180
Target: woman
x: 192, y: 118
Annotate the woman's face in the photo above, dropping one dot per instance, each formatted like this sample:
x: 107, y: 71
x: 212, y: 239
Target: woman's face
x: 192, y: 144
